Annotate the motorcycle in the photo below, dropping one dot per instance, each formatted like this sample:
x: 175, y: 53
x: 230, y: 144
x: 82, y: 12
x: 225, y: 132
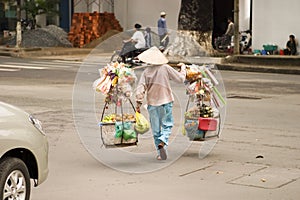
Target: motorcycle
x: 245, y: 41
x: 226, y: 44
x: 126, y: 55
x: 27, y: 24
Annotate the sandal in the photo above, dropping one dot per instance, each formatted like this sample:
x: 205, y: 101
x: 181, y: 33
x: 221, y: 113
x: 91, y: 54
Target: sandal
x: 162, y: 151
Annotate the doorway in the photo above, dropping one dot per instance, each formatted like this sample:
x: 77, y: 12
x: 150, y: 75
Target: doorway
x: 221, y: 11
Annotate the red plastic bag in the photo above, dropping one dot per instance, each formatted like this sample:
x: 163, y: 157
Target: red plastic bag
x: 207, y: 124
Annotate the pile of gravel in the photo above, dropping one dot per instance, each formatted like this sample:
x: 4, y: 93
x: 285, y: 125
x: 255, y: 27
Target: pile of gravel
x: 51, y: 36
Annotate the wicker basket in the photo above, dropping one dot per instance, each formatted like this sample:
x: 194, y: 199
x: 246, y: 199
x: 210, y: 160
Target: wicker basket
x: 110, y: 139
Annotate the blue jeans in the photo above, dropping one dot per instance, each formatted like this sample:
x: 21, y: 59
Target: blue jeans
x: 161, y: 120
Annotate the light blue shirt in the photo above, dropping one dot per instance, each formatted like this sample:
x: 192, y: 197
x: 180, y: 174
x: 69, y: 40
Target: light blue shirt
x: 162, y: 26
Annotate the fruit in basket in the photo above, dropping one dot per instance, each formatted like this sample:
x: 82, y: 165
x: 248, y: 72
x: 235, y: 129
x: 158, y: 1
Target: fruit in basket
x: 206, y: 111
x: 129, y: 117
x: 109, y: 118
x: 118, y: 118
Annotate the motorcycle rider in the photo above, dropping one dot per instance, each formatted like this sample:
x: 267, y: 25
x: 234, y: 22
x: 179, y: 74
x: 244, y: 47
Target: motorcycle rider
x: 137, y: 41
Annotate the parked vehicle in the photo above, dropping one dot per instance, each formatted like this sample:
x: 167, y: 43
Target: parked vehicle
x: 23, y: 153
x: 224, y: 44
x: 245, y: 41
x: 27, y: 24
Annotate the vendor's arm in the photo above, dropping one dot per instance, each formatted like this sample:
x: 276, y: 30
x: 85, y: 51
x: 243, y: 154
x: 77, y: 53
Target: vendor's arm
x: 177, y: 76
x: 140, y: 92
x: 139, y: 97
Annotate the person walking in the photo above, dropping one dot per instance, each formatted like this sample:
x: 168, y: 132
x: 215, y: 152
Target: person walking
x: 155, y: 85
x: 162, y: 30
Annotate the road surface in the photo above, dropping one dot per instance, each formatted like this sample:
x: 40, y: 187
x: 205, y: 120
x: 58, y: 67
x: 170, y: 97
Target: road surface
x: 256, y: 157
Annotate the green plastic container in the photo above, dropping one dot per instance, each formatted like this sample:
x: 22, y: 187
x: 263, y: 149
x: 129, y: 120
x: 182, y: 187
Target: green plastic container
x: 269, y: 47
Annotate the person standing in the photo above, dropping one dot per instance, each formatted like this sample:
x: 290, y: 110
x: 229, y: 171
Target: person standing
x: 291, y: 46
x: 224, y: 41
x: 148, y: 37
x: 230, y: 29
x: 155, y: 85
x: 162, y: 30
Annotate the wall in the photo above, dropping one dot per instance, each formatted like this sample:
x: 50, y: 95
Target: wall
x: 244, y: 15
x: 274, y: 21
x: 146, y: 12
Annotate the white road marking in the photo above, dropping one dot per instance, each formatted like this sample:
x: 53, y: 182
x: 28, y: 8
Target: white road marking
x: 22, y: 67
x: 38, y: 65
x: 47, y: 65
x: 9, y: 70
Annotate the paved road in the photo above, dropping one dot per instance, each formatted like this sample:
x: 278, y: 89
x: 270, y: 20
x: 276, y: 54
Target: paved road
x: 257, y: 156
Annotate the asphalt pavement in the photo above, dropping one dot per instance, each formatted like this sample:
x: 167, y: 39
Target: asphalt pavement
x: 256, y: 156
x: 249, y: 63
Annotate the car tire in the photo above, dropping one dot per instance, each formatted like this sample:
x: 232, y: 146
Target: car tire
x: 14, y: 179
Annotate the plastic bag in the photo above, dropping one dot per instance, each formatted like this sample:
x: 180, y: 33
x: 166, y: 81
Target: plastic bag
x: 141, y: 125
x: 123, y: 129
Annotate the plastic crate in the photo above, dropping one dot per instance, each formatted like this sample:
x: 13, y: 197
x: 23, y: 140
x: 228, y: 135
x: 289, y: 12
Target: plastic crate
x: 269, y: 47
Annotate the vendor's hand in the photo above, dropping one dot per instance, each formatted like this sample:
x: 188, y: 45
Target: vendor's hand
x: 138, y: 106
x: 182, y: 66
x: 138, y: 109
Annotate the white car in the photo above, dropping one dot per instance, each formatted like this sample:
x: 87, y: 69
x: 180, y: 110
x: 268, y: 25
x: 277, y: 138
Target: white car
x: 23, y: 153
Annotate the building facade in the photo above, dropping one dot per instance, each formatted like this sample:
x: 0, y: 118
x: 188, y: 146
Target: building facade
x: 271, y: 21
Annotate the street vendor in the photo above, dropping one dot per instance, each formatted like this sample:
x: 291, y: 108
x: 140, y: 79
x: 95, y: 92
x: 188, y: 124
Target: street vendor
x: 155, y: 85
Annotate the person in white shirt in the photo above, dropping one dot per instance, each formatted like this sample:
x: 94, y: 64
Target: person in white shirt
x: 230, y: 28
x: 137, y: 41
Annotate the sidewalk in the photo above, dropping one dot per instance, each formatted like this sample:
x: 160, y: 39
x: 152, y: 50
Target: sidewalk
x: 252, y: 63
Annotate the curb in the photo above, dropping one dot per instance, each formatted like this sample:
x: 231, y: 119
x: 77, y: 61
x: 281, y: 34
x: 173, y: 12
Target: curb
x: 259, y: 68
x: 221, y: 63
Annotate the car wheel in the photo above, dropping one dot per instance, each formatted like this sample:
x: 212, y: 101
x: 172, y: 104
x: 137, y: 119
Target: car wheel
x: 14, y: 180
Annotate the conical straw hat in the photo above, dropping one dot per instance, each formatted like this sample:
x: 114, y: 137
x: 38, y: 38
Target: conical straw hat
x: 153, y: 56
